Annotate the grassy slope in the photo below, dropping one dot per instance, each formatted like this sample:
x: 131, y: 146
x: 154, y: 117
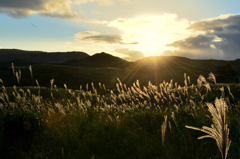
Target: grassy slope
x: 154, y: 69
x: 118, y: 131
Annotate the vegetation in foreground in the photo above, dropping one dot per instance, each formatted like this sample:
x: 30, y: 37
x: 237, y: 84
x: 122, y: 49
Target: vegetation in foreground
x: 150, y: 121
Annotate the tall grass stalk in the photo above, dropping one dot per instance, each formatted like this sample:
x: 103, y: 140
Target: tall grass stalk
x: 212, y: 77
x: 1, y: 81
x: 163, y: 128
x: 219, y: 130
x: 13, y: 69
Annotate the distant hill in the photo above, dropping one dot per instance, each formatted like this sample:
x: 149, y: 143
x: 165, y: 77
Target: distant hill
x: 100, y: 60
x: 157, y: 69
x: 78, y: 68
x: 185, y: 63
x: 11, y: 55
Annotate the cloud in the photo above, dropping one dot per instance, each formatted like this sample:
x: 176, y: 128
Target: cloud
x: 148, y: 35
x: 143, y: 36
x: 24, y: 8
x: 101, y: 2
x: 53, y: 8
x: 218, y: 38
x: 153, y: 33
x: 92, y: 36
x: 125, y: 1
x: 132, y: 55
x: 104, y: 38
x: 93, y: 21
x: 105, y: 2
x: 65, y: 14
x: 226, y: 22
x: 201, y: 46
x: 196, y: 42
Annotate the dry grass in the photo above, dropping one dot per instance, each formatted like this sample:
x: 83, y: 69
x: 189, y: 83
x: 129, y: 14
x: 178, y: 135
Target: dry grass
x: 219, y: 130
x: 114, y: 104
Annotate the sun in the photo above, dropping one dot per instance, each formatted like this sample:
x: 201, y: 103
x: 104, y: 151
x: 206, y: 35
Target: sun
x: 153, y: 49
x: 152, y: 35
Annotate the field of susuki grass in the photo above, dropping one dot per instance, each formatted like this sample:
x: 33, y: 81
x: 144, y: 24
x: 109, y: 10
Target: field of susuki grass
x: 140, y: 121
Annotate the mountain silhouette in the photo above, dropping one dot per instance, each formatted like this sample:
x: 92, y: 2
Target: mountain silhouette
x: 77, y: 68
x: 11, y: 55
x: 100, y: 60
x: 157, y: 69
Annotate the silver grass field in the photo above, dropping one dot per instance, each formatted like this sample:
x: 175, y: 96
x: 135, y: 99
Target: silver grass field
x: 113, y: 106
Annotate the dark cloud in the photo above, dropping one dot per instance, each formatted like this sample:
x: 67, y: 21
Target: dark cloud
x: 132, y: 54
x: 220, y: 39
x: 93, y: 36
x: 24, y: 8
x: 217, y: 24
x: 233, y: 27
x: 197, y: 42
x: 23, y: 4
x: 105, y: 38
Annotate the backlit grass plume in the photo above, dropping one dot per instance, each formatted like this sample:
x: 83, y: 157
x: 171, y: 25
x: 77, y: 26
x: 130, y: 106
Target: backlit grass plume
x: 212, y: 77
x: 163, y: 128
x: 219, y: 130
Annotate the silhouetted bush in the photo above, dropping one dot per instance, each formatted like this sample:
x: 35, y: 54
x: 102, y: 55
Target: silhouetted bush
x: 19, y: 131
x: 227, y: 74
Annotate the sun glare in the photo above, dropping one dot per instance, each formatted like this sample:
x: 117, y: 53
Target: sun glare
x: 153, y: 49
x: 152, y: 33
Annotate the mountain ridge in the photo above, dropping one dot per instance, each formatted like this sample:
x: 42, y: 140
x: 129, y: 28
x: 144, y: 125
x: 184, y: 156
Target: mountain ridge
x: 5, y: 55
x: 105, y: 68
x: 11, y: 55
x: 100, y: 60
x: 82, y: 59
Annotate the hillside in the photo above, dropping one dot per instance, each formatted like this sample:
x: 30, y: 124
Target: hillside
x: 166, y: 68
x: 100, y: 60
x: 10, y: 55
x: 186, y: 63
x: 77, y: 68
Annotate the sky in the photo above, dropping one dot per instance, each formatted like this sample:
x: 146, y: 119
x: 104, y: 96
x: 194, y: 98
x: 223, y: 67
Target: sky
x: 130, y: 29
